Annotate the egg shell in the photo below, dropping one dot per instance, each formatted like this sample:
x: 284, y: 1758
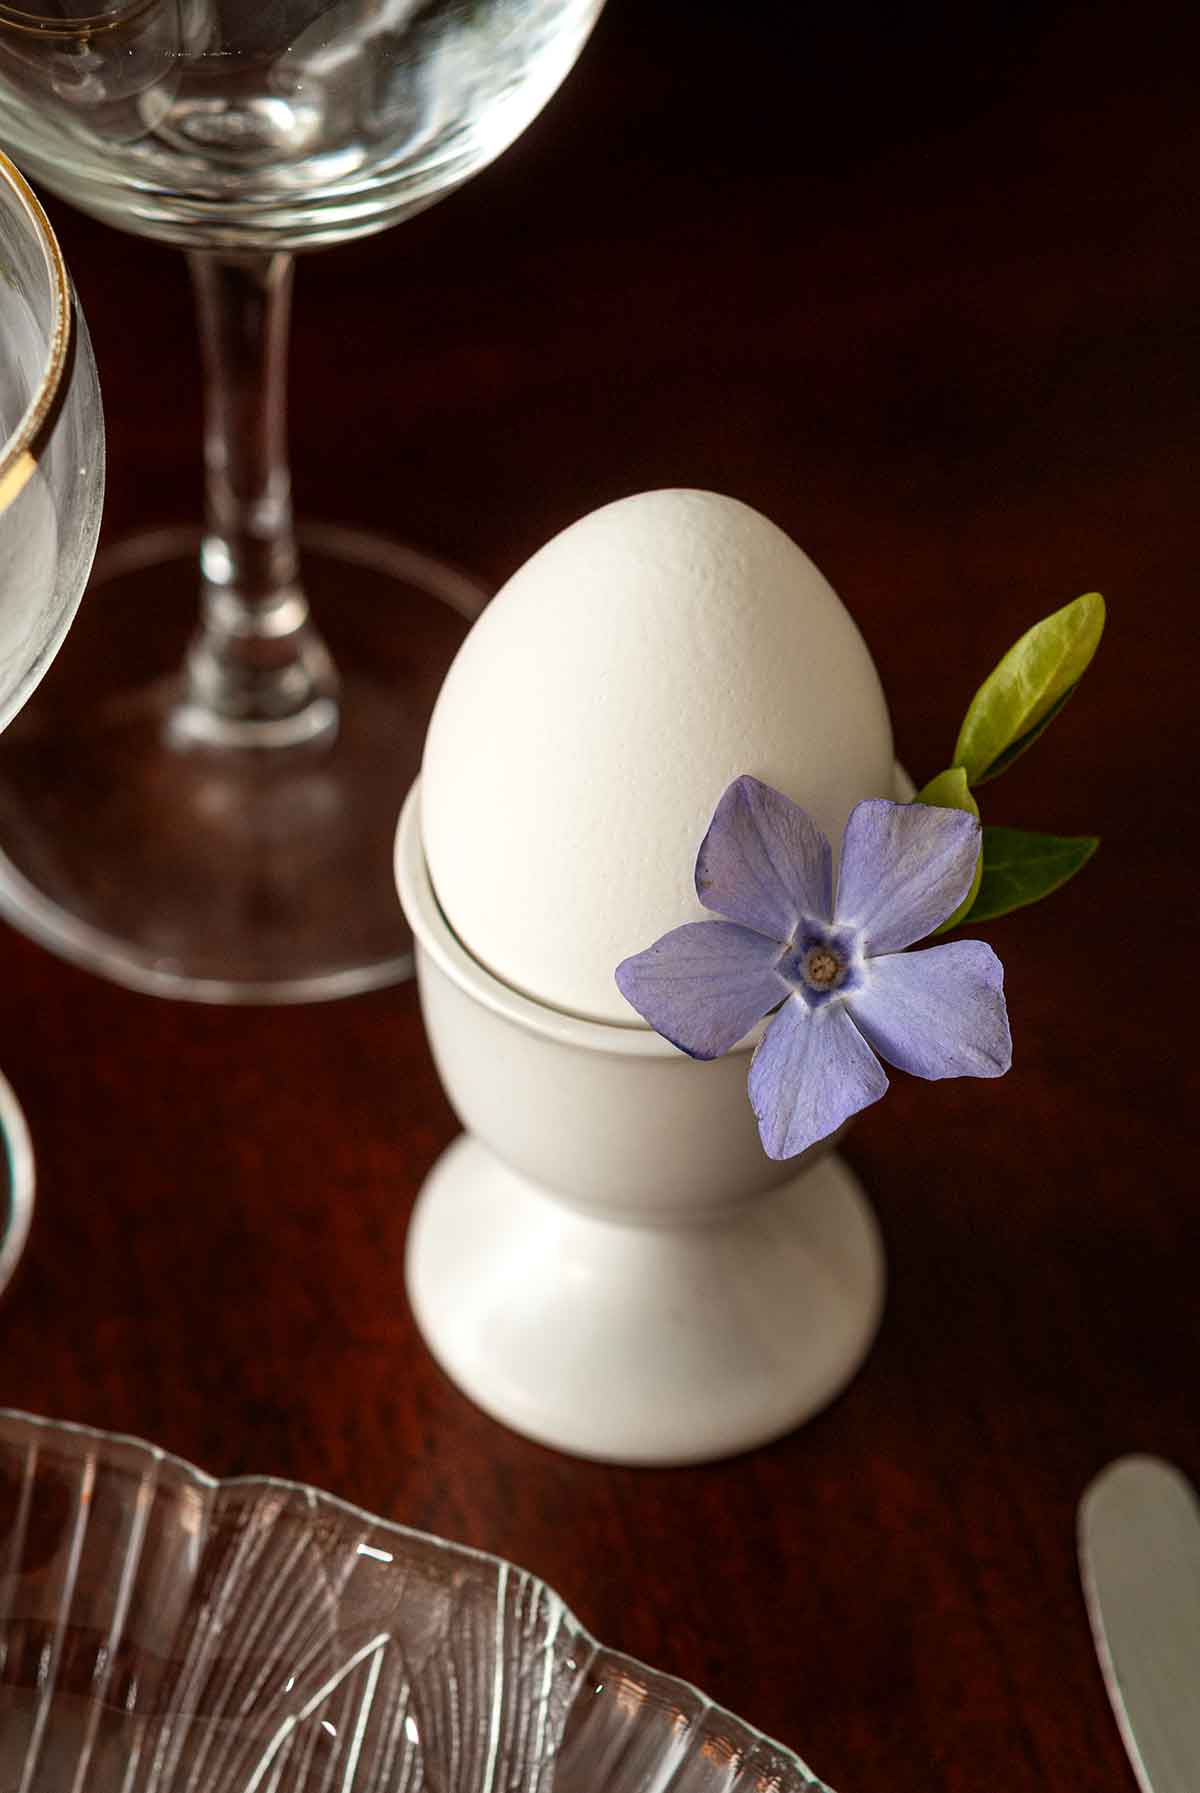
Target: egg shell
x: 622, y: 678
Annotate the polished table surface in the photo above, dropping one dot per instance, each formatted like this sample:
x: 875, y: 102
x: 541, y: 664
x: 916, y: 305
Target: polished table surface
x: 925, y: 292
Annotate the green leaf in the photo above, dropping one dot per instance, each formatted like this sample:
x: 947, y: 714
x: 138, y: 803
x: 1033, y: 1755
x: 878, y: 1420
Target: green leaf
x: 1026, y: 740
x: 1020, y: 868
x: 950, y: 790
x: 1028, y: 688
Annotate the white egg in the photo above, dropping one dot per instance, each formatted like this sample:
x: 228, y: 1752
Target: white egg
x: 632, y: 668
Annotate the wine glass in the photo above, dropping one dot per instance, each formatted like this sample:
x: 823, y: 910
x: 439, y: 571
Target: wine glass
x: 51, y: 493
x: 219, y: 827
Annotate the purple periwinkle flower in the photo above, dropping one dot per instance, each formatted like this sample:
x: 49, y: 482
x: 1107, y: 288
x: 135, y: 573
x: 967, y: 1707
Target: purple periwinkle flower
x: 836, y: 971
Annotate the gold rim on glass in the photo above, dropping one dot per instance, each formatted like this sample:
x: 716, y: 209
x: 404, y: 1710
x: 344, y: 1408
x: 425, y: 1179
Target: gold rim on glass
x: 86, y: 25
x: 19, y: 455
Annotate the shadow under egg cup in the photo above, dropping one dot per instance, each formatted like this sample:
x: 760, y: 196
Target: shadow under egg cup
x: 606, y: 1260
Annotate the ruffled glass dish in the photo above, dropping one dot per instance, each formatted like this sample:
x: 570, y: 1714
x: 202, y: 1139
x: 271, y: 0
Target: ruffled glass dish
x: 162, y: 1630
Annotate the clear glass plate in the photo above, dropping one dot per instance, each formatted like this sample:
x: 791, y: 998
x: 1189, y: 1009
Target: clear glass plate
x: 162, y: 1630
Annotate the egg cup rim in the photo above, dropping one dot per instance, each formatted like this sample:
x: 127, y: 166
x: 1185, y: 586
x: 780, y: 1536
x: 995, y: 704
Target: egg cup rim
x: 433, y: 933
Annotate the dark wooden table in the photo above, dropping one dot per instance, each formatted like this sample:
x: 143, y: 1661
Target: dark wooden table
x: 925, y: 291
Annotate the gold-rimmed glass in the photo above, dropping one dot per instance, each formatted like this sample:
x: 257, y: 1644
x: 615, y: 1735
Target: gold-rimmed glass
x: 51, y: 493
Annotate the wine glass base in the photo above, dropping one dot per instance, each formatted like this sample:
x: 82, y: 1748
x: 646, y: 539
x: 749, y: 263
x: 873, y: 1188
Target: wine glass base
x: 215, y: 874
x: 16, y: 1184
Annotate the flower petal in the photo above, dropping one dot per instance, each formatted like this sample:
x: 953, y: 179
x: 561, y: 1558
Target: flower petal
x: 937, y: 1013
x: 704, y: 985
x: 905, y: 868
x: 764, y: 862
x: 812, y: 1071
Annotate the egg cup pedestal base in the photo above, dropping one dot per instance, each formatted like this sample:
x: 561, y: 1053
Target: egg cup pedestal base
x: 644, y: 1344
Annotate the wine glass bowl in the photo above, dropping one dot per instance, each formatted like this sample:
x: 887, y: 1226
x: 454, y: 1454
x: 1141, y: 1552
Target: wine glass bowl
x: 298, y: 125
x: 217, y: 823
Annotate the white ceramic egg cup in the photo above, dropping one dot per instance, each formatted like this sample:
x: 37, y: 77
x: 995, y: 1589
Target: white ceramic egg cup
x: 606, y: 1260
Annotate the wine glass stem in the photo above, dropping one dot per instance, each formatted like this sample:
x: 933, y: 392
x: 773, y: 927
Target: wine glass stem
x: 257, y: 672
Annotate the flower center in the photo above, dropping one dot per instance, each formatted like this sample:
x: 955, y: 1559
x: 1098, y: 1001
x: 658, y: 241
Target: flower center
x: 821, y: 962
x: 823, y: 967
